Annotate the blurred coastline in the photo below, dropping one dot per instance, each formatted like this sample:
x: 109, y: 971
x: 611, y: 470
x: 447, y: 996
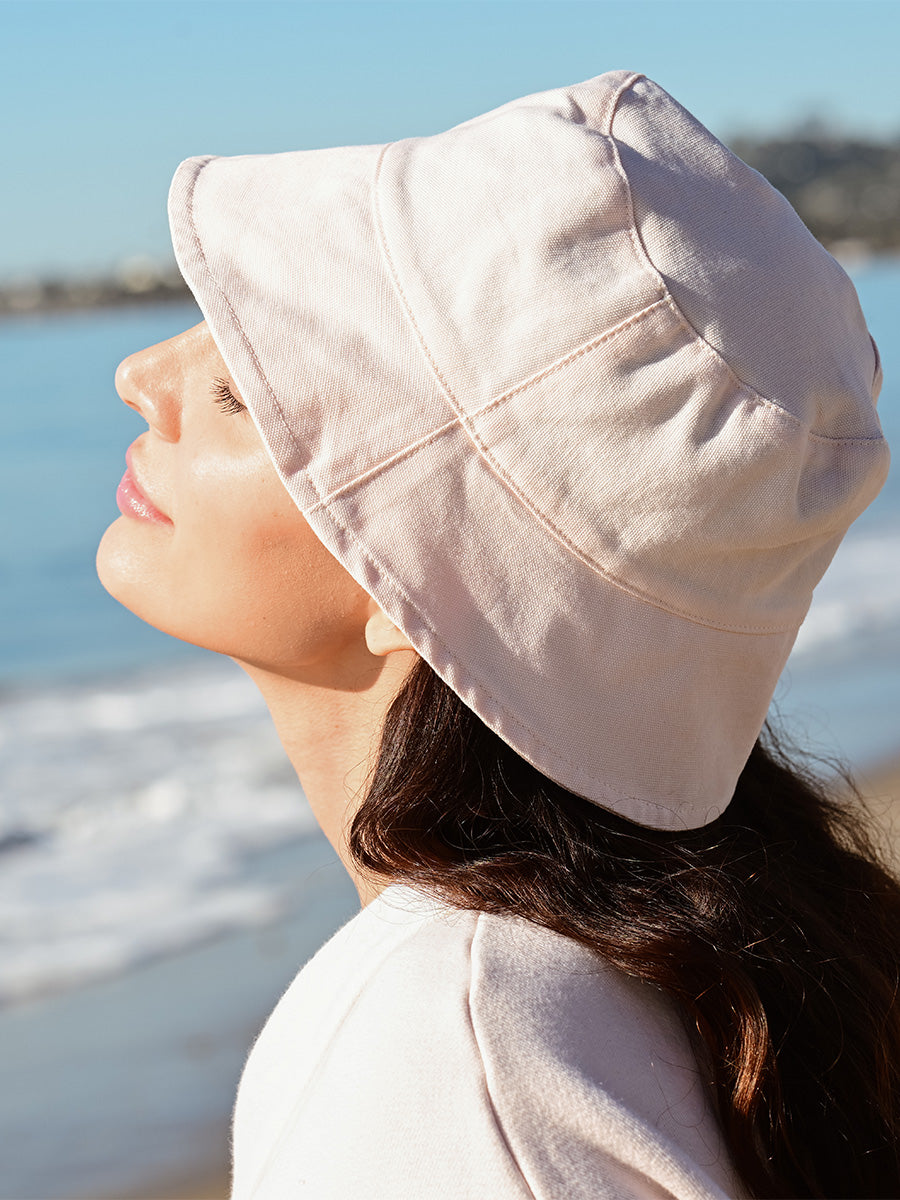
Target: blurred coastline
x: 846, y: 189
x: 137, y: 281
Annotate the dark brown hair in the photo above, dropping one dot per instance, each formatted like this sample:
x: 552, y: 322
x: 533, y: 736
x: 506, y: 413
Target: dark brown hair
x: 775, y: 928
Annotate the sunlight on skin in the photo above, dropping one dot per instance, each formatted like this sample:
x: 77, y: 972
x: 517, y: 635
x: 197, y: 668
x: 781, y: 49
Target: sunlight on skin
x: 211, y: 549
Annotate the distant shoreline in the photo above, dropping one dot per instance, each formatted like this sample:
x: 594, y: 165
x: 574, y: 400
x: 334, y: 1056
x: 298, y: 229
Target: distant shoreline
x: 844, y: 188
x: 40, y: 297
x: 53, y: 296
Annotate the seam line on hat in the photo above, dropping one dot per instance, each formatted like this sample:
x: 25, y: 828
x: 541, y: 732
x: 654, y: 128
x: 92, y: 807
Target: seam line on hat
x: 604, y: 572
x: 324, y: 505
x: 385, y: 249
x: 462, y: 419
x: 500, y: 472
x: 471, y: 680
x: 201, y: 254
x: 666, y: 301
x: 758, y: 398
x: 645, y: 257
x: 384, y: 465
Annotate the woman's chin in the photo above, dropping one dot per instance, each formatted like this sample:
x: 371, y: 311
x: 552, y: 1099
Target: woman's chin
x: 139, y: 572
x: 119, y: 566
x: 132, y: 576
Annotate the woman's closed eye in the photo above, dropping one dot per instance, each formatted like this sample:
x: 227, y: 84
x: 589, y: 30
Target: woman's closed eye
x: 225, y: 397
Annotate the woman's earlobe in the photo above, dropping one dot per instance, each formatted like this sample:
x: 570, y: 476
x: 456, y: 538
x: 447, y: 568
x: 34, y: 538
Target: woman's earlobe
x: 382, y: 635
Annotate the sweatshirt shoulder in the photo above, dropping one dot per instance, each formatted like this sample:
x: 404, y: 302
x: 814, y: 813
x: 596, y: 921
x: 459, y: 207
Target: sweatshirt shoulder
x: 586, y: 1077
x: 447, y: 1053
x: 403, y: 1070
x: 591, y: 1073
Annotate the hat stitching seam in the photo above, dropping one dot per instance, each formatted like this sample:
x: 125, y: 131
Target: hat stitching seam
x: 545, y: 521
x: 646, y: 258
x: 605, y: 572
x: 757, y: 397
x: 572, y: 356
x: 557, y: 534
x: 665, y: 296
x: 646, y: 313
x: 384, y: 465
x: 463, y: 419
x: 198, y: 245
x: 471, y: 676
x: 644, y: 254
x: 385, y: 249
x: 495, y: 466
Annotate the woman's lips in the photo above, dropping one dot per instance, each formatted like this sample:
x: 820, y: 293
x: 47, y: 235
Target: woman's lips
x: 133, y: 503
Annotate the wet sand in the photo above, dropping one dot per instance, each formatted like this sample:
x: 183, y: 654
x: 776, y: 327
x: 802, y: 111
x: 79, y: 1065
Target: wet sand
x: 215, y: 1185
x: 881, y: 788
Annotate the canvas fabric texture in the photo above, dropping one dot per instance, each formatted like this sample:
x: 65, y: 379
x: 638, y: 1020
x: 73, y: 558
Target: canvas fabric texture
x: 430, y: 1054
x: 574, y: 395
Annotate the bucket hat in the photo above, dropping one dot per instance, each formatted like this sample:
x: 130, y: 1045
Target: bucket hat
x: 572, y: 392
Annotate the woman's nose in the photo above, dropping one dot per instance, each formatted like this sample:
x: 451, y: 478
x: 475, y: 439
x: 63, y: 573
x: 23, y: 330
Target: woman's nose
x: 146, y: 382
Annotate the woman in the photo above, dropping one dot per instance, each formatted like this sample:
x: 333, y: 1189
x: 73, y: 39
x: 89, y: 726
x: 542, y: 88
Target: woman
x: 505, y: 462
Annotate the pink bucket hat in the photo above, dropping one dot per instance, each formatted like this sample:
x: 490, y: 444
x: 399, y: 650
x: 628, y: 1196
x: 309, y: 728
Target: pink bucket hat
x: 574, y: 395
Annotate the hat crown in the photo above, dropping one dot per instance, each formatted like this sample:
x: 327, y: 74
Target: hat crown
x: 572, y: 392
x: 601, y: 285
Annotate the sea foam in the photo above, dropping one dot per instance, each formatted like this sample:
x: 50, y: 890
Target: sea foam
x: 136, y: 818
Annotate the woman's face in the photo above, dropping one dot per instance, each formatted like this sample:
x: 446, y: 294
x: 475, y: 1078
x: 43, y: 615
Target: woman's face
x: 210, y: 546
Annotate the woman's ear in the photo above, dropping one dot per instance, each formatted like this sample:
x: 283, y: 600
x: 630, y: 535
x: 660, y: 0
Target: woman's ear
x: 382, y: 635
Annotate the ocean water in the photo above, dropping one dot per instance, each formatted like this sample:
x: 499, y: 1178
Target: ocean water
x: 144, y: 801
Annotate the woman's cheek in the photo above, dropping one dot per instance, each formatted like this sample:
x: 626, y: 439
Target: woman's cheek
x: 269, y: 589
x: 244, y: 574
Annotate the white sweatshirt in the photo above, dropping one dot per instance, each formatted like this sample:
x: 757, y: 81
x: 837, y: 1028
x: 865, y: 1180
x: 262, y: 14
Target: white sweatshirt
x: 430, y: 1054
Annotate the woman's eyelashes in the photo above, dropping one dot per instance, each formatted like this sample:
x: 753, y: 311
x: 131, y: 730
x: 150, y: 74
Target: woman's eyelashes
x: 225, y: 397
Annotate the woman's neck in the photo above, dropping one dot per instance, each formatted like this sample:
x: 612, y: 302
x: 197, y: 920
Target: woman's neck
x: 331, y: 731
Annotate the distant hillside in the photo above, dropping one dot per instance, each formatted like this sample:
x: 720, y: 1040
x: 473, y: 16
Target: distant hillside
x: 157, y: 286
x: 845, y: 189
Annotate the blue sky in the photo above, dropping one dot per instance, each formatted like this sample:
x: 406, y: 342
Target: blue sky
x: 102, y: 98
